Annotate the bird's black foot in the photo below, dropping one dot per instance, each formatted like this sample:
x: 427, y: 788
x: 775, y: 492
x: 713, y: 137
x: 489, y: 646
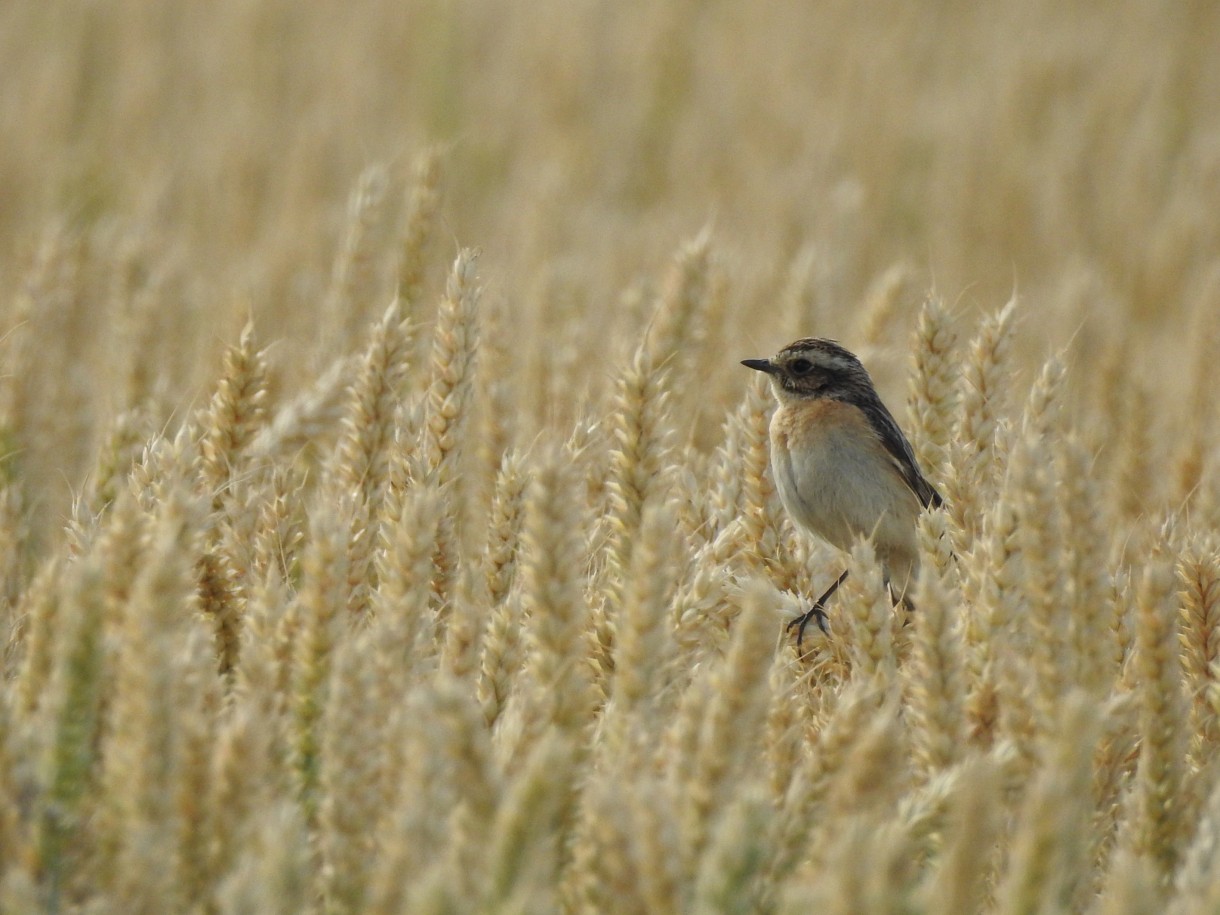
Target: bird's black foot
x: 816, y: 612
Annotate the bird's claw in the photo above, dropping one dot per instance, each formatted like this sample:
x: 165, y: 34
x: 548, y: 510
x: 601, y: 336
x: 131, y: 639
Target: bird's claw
x: 815, y: 613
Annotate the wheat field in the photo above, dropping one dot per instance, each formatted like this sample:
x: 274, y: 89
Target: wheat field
x: 386, y: 523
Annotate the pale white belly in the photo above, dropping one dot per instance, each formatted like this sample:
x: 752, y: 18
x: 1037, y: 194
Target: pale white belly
x: 839, y: 487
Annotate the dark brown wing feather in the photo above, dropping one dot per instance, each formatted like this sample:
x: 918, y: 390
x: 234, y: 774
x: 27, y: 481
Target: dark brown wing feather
x: 900, y: 450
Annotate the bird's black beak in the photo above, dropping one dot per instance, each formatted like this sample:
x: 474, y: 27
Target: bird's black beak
x: 760, y: 365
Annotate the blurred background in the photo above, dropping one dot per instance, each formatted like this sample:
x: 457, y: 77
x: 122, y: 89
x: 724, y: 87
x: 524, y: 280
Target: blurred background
x: 169, y: 169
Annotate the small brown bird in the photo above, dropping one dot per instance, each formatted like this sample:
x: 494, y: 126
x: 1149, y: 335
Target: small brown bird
x: 842, y: 466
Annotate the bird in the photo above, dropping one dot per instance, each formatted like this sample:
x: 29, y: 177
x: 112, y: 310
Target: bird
x: 841, y: 464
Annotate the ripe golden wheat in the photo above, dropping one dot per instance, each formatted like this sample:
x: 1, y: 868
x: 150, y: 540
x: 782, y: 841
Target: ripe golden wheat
x: 460, y: 587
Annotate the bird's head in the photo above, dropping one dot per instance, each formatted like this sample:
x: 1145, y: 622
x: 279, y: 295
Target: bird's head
x: 812, y: 368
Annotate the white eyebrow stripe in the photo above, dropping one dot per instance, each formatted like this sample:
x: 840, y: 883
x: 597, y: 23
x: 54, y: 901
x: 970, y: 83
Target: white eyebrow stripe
x: 819, y: 357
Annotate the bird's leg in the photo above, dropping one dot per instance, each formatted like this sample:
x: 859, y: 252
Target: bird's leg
x: 816, y: 612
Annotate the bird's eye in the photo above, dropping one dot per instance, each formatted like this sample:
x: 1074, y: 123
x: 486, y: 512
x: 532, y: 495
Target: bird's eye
x: 800, y: 366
